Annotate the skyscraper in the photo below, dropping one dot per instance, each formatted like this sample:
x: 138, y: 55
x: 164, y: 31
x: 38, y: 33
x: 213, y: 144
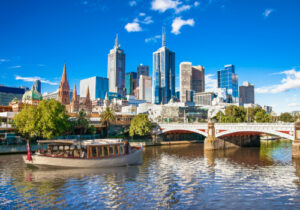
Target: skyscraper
x: 145, y: 91
x: 141, y: 70
x: 163, y: 83
x: 246, y: 94
x: 130, y: 82
x: 229, y: 80
x: 98, y: 87
x: 38, y: 85
x: 116, y: 69
x: 191, y: 81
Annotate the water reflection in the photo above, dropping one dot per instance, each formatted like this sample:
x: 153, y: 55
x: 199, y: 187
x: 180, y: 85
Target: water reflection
x: 171, y: 177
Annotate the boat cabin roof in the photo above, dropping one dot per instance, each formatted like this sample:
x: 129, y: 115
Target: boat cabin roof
x: 93, y: 142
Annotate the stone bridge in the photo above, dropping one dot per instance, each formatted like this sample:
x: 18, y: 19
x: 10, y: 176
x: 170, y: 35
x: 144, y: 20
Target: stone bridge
x: 284, y: 130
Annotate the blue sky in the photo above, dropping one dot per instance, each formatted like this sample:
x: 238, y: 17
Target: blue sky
x: 261, y: 38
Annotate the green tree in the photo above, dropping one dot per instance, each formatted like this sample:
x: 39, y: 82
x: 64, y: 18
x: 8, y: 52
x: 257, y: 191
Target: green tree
x: 47, y: 120
x: 140, y: 125
x: 107, y: 116
x: 286, y: 117
x: 262, y: 117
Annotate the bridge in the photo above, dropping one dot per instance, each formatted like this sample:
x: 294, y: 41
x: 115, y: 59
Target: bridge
x: 284, y: 130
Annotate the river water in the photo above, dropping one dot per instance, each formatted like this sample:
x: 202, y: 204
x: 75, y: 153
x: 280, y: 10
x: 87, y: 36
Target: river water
x: 170, y: 177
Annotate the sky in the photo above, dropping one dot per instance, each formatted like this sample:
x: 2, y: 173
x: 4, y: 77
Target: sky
x: 260, y: 37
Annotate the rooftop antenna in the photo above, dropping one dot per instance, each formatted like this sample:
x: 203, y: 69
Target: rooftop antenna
x: 117, y: 41
x: 163, y: 39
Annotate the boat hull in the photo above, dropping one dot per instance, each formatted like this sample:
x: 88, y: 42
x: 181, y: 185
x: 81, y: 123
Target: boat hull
x: 134, y: 158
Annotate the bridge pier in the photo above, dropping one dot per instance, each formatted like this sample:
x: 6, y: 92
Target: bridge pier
x: 213, y: 143
x: 296, y: 143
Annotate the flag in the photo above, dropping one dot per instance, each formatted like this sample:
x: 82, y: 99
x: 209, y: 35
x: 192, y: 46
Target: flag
x: 28, y: 151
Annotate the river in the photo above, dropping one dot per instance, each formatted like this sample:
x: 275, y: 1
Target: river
x: 170, y: 177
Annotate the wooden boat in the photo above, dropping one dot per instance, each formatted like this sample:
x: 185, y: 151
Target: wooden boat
x: 96, y: 153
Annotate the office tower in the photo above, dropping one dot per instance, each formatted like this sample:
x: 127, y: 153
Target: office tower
x: 116, y: 69
x: 130, y: 82
x: 246, y: 94
x: 163, y: 83
x: 191, y: 81
x: 229, y: 80
x: 98, y: 87
x: 7, y: 94
x: 64, y: 89
x: 141, y: 70
x: 145, y: 90
x: 37, y: 85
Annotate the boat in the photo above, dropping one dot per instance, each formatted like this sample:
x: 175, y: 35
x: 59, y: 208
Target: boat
x: 98, y: 153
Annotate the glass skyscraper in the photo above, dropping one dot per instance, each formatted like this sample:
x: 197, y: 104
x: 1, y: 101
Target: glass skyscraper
x: 116, y: 69
x: 98, y: 87
x: 141, y: 70
x: 38, y: 85
x: 229, y: 80
x: 163, y: 82
x: 130, y: 82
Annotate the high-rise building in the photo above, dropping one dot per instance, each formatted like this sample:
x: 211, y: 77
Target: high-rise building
x: 64, y: 89
x: 7, y: 94
x: 130, y: 82
x: 38, y: 85
x: 116, y: 69
x: 141, y: 70
x: 246, y: 94
x: 163, y: 83
x: 145, y: 90
x: 229, y: 80
x: 191, y: 81
x: 98, y: 87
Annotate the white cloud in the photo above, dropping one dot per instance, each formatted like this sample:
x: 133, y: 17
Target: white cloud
x: 132, y: 3
x: 32, y: 79
x: 196, y: 3
x: 142, y: 14
x: 153, y: 39
x: 133, y: 27
x: 293, y: 104
x: 289, y: 82
x: 15, y: 67
x: 163, y: 5
x: 178, y: 23
x: 211, y: 83
x: 267, y: 12
x: 2, y: 60
x: 147, y: 20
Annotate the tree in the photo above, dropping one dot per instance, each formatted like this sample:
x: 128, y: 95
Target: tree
x: 140, y: 125
x: 286, y: 117
x: 82, y: 122
x: 107, y: 116
x: 47, y: 120
x: 262, y: 117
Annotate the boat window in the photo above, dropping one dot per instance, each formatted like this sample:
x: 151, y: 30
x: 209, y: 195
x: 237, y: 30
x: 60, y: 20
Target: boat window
x: 111, y: 150
x: 67, y: 147
x: 55, y: 148
x: 72, y: 147
x: 105, y: 150
x: 100, y: 151
x: 94, y: 152
x: 121, y: 149
x: 116, y: 149
x: 61, y: 148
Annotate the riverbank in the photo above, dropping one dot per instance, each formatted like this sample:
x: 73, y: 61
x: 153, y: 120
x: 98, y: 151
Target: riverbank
x: 150, y: 144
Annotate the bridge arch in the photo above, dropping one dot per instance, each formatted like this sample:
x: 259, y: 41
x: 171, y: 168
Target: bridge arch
x: 203, y: 133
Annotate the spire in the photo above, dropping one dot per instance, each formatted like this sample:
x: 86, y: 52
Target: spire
x: 163, y: 37
x: 117, y: 42
x: 64, y: 76
x: 74, y: 92
x: 106, y: 97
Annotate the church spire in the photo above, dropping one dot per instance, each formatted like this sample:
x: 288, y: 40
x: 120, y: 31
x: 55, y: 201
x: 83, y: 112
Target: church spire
x: 117, y: 42
x: 74, y: 93
x: 163, y: 37
x: 64, y: 76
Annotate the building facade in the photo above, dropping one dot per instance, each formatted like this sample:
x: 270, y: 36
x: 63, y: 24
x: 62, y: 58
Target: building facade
x: 116, y: 69
x: 163, y: 80
x: 229, y: 80
x: 38, y: 85
x: 192, y: 81
x: 7, y: 94
x: 130, y: 82
x: 64, y: 89
x: 98, y: 87
x: 145, y: 88
x: 141, y: 70
x: 204, y: 98
x: 246, y: 94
